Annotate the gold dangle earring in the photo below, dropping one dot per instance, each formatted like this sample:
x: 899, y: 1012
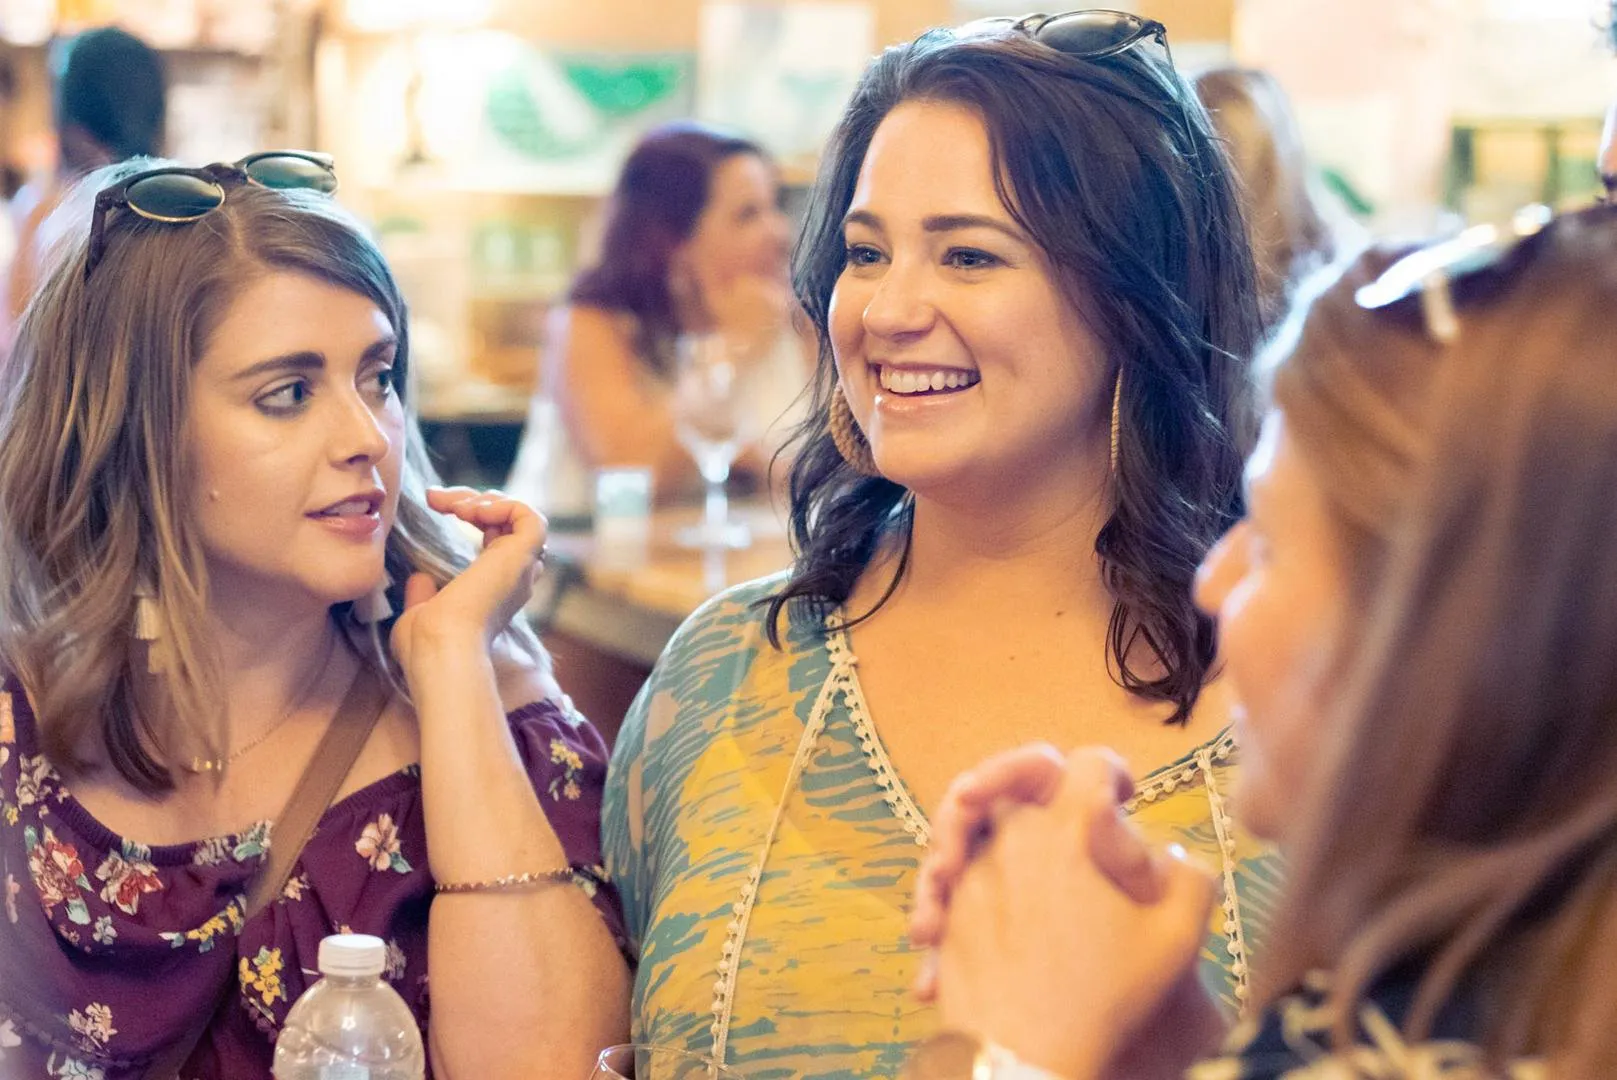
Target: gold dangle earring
x: 1117, y: 419
x: 849, y: 439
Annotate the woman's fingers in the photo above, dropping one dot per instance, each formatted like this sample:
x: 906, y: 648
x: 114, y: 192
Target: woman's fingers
x: 495, y: 513
x: 1121, y: 853
x: 1100, y: 767
x: 963, y: 820
x: 418, y: 590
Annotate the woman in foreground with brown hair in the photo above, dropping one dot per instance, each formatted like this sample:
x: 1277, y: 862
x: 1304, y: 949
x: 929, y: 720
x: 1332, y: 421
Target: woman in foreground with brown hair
x: 233, y: 603
x: 1430, y: 716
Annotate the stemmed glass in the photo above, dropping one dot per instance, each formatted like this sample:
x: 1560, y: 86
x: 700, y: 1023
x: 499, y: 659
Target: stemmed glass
x: 714, y: 420
x: 640, y: 1061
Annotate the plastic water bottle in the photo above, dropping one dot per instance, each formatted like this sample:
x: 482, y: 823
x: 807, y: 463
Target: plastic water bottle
x: 350, y: 1025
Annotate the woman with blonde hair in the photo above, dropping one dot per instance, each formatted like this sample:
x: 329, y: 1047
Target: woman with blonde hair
x: 257, y: 689
x: 1297, y: 226
x: 1419, y: 616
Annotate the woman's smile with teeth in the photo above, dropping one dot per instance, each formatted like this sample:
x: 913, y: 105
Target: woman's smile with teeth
x: 925, y: 380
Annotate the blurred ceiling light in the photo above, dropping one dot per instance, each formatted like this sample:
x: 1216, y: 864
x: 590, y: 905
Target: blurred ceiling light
x: 383, y: 15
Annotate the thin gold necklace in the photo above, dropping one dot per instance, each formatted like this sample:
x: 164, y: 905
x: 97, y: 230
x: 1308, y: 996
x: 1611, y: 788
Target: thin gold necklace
x: 199, y: 765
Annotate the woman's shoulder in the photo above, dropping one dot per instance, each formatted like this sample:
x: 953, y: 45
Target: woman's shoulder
x: 721, y: 663
x: 738, y: 619
x: 585, y: 319
x: 1294, y: 1039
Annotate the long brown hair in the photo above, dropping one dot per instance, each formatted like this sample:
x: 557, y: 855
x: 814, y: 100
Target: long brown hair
x: 1111, y: 166
x: 95, y: 475
x: 1463, y: 815
x: 660, y: 195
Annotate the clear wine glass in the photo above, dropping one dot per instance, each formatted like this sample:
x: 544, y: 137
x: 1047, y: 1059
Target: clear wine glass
x: 643, y: 1061
x: 714, y: 419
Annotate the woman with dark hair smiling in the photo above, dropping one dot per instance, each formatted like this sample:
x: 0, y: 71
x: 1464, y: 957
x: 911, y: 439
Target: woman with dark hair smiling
x: 694, y: 242
x: 1027, y: 429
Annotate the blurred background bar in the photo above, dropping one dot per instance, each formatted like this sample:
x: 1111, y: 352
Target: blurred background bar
x: 480, y: 136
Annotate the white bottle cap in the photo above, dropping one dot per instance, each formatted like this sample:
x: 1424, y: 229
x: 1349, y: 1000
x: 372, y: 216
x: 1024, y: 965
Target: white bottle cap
x: 348, y: 955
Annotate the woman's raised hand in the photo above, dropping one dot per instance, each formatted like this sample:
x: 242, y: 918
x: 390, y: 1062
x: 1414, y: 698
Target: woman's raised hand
x: 483, y: 599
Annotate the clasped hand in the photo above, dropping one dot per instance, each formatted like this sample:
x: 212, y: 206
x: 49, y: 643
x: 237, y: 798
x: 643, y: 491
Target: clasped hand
x: 1054, y: 928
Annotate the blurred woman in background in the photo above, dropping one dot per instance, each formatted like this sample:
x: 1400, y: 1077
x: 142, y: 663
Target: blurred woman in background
x: 1297, y: 226
x: 108, y: 104
x: 694, y: 242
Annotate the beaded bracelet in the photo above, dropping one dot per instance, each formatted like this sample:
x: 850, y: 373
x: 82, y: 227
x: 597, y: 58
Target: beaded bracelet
x: 513, y: 881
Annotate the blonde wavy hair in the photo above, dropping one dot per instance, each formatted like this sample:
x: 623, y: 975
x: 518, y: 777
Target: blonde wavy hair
x: 1280, y: 196
x: 95, y: 474
x: 1462, y: 821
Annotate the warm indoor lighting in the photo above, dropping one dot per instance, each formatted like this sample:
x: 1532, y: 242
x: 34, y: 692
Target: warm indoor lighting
x: 385, y: 15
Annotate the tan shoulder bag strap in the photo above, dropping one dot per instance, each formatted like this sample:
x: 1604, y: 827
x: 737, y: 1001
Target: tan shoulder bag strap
x: 322, y: 778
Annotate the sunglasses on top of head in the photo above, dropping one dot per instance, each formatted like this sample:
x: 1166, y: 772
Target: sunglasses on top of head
x: 175, y: 195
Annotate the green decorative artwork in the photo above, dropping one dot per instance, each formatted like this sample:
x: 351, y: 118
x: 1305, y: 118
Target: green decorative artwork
x: 626, y: 87
x: 549, y: 106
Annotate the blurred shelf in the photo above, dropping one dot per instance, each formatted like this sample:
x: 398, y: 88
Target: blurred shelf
x: 494, y: 184
x: 471, y: 401
x: 198, y: 51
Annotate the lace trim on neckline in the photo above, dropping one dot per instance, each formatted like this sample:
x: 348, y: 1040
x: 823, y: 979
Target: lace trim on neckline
x: 845, y: 676
x: 1184, y: 772
x: 1162, y: 781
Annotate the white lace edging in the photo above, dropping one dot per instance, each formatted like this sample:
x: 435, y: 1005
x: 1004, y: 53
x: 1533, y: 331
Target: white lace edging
x: 845, y: 678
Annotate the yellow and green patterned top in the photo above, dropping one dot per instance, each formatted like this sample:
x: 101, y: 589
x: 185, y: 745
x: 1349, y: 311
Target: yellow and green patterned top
x: 766, y: 853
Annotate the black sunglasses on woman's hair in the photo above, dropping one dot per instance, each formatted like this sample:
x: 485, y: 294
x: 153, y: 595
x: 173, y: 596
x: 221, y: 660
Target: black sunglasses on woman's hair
x: 176, y: 195
x: 1093, y: 34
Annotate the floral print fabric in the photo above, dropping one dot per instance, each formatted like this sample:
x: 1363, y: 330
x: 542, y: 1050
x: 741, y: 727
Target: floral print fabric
x: 109, y: 949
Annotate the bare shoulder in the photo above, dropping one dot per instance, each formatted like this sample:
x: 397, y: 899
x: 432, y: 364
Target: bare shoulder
x: 522, y: 678
x: 588, y: 326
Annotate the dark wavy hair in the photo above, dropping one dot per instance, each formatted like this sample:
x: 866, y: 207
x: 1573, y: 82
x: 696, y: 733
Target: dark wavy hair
x: 1111, y: 166
x: 660, y: 194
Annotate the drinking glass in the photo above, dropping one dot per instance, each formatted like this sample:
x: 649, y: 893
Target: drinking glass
x: 713, y: 417
x: 643, y: 1061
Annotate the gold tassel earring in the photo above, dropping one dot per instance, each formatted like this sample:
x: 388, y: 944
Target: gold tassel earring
x: 375, y: 606
x: 850, y: 441
x: 149, y: 626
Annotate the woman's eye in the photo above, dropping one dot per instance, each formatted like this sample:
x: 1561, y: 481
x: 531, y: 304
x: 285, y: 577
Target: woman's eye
x: 286, y: 398
x: 970, y: 259
x: 860, y: 255
x: 386, y: 381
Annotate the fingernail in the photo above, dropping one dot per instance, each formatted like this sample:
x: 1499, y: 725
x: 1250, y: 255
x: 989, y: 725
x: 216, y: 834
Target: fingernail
x: 926, y: 978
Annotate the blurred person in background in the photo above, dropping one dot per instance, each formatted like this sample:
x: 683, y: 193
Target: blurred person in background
x: 1419, y: 617
x: 1035, y: 300
x: 224, y: 567
x: 694, y: 242
x: 108, y: 103
x: 1297, y: 226
x: 1606, y: 162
